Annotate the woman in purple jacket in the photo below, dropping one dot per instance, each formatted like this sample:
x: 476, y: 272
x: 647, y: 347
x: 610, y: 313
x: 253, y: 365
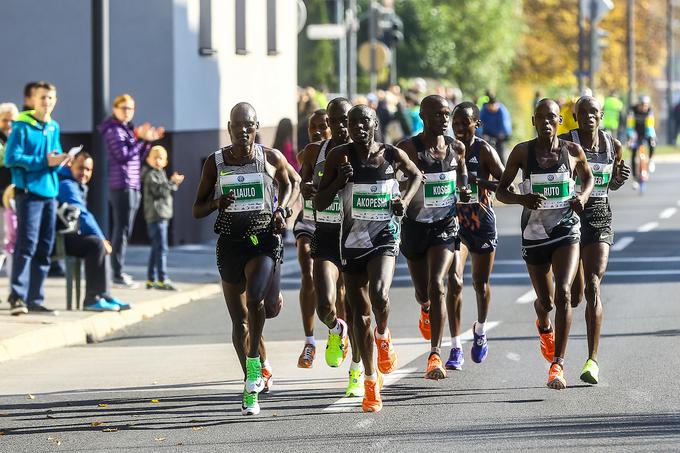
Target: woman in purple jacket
x: 127, y: 148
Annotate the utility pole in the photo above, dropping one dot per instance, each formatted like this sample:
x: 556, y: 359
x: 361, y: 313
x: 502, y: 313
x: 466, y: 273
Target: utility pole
x: 99, y: 195
x: 352, y: 50
x: 342, y: 49
x: 630, y: 42
x: 594, y: 50
x: 669, y: 71
x: 373, y: 38
x: 581, y: 46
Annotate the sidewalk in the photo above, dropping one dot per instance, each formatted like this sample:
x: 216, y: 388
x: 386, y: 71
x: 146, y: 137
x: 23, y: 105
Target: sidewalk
x: 191, y: 267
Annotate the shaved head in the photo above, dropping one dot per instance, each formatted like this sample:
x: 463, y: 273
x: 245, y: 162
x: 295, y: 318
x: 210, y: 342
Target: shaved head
x: 547, y: 104
x: 361, y: 110
x: 587, y: 101
x: 433, y: 101
x: 242, y: 110
x: 338, y: 104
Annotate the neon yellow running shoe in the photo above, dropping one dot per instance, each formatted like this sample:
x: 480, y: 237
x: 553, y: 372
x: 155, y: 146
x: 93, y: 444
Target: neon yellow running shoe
x: 356, y: 383
x: 254, y: 381
x: 337, y: 346
x: 590, y: 372
x: 250, y: 405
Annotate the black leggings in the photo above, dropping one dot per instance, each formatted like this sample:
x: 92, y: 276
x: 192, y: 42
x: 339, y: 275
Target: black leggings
x: 97, y: 267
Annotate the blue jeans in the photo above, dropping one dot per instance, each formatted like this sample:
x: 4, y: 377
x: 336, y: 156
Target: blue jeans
x: 124, y: 205
x: 158, y: 258
x: 36, y: 218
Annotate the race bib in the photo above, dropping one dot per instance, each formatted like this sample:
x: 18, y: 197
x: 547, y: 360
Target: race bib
x: 331, y: 214
x: 248, y: 189
x: 556, y: 187
x: 372, y: 202
x: 602, y: 173
x: 308, y: 211
x: 440, y: 189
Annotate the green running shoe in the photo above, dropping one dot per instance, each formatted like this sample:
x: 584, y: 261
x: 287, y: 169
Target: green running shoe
x: 590, y: 372
x: 356, y: 383
x: 337, y: 346
x: 250, y: 406
x: 254, y: 381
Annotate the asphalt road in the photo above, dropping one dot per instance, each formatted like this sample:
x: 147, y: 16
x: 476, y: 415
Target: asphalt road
x: 173, y: 381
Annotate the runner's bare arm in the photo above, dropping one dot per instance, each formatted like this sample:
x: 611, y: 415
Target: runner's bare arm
x: 621, y: 170
x: 281, y: 165
x: 336, y: 172
x: 516, y: 162
x: 491, y: 162
x: 205, y: 202
x: 413, y: 175
x: 582, y: 169
x: 462, y: 180
x: 295, y: 181
x: 307, y: 162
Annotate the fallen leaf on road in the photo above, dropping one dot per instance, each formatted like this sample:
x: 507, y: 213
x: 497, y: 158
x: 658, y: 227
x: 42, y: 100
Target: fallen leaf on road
x: 4, y: 415
x: 179, y: 444
x: 2, y: 433
x: 55, y: 440
x: 109, y: 430
x: 155, y: 401
x: 159, y: 439
x: 96, y: 423
x: 197, y: 428
x: 154, y: 383
x: 102, y: 405
x: 275, y: 414
x: 30, y: 397
x: 49, y: 416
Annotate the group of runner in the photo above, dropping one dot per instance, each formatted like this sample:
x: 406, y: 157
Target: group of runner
x: 429, y: 197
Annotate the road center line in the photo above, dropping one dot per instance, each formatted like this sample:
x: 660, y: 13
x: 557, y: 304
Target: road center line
x: 345, y: 404
x: 668, y: 213
x: 649, y: 226
x: 622, y: 243
x: 527, y: 297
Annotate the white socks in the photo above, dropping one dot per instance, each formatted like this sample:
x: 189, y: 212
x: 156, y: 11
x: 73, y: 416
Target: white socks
x: 455, y: 342
x: 337, y: 328
x: 372, y: 377
x: 310, y: 340
x: 480, y: 328
x: 383, y: 336
x: 356, y: 366
x: 266, y: 365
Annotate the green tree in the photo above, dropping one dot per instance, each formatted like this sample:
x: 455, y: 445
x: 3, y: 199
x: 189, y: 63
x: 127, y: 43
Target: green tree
x: 316, y: 59
x: 471, y: 43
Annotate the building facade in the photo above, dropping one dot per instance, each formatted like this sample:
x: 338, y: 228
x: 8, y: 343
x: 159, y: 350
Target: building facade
x: 186, y: 63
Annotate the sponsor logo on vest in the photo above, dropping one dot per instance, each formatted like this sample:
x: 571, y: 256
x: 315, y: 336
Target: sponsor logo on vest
x: 473, y: 160
x: 389, y: 170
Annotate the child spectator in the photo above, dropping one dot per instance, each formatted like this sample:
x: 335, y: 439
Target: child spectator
x: 157, y: 213
x: 10, y: 229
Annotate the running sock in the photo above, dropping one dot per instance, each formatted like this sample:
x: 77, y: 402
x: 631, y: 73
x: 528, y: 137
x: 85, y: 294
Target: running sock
x: 310, y: 340
x: 546, y: 330
x: 480, y: 328
x: 382, y: 336
x: 455, y: 342
x: 559, y: 361
x: 371, y: 377
x: 356, y: 366
x: 337, y: 328
x: 425, y: 309
x: 436, y: 350
x: 266, y: 365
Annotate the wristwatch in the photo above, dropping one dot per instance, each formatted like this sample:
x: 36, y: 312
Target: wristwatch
x: 285, y: 212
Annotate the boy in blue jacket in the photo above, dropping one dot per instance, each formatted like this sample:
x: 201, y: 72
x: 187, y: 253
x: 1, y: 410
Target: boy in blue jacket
x: 33, y: 154
x: 89, y: 241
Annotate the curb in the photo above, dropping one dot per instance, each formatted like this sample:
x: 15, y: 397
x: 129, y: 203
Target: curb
x: 97, y: 326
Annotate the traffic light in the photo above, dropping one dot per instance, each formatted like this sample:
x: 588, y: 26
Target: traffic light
x: 390, y: 28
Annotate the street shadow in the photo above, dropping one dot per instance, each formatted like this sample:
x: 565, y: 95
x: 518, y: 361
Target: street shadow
x: 658, y: 333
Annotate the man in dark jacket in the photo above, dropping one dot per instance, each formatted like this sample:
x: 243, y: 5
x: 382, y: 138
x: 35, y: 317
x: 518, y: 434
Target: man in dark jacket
x: 88, y: 241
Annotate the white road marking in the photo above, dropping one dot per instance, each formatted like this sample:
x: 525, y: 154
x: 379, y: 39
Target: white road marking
x: 527, y: 297
x: 668, y: 213
x: 622, y: 243
x: 512, y: 356
x: 345, y: 404
x: 649, y: 226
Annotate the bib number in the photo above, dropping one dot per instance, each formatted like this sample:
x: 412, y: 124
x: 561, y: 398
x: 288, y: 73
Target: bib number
x: 248, y: 189
x: 439, y: 190
x: 602, y: 174
x: 556, y: 187
x: 371, y: 202
x: 331, y: 214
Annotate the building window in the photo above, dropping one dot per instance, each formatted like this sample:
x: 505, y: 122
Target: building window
x: 205, y: 44
x: 271, y: 28
x: 240, y: 27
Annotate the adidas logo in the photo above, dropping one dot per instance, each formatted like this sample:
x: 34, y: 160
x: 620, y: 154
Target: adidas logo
x: 389, y: 170
x: 473, y: 160
x: 486, y: 245
x: 562, y: 168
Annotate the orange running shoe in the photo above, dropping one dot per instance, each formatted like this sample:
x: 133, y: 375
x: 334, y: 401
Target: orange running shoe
x: 424, y: 324
x: 556, y: 377
x: 268, y: 380
x: 306, y: 358
x: 387, y: 356
x: 435, y: 370
x: 372, y: 401
x: 547, y: 343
